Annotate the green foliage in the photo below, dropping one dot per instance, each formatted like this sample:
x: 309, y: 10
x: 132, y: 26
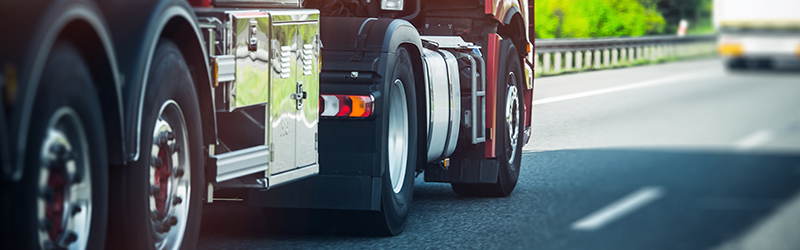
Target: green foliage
x: 697, y: 12
x: 595, y: 18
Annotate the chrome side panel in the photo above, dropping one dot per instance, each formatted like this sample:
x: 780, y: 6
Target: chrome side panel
x: 442, y: 95
x: 294, y: 96
x: 282, y: 109
x: 276, y: 54
x: 308, y: 111
x: 251, y: 50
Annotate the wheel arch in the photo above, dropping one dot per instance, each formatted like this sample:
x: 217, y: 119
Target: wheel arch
x: 419, y: 79
x: 80, y: 23
x: 401, y: 33
x: 173, y: 20
x: 181, y: 31
x: 514, y: 28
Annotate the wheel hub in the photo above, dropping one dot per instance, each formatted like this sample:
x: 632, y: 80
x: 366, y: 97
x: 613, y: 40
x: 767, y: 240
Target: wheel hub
x: 169, y: 180
x: 65, y: 201
x: 512, y: 119
x: 398, y: 135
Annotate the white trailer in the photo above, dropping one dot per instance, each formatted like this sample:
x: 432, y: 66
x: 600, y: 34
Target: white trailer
x: 758, y: 33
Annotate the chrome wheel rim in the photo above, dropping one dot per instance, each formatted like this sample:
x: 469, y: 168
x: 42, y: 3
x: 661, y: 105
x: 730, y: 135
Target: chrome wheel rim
x: 512, y: 118
x: 398, y: 135
x: 64, y: 207
x: 170, y: 178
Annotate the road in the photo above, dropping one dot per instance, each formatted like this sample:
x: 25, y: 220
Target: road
x: 682, y: 155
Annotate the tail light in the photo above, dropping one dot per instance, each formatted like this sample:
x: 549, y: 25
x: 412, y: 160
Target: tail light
x: 346, y: 105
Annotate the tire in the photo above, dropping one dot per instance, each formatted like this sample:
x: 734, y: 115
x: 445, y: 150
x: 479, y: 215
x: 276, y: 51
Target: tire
x: 509, y: 129
x: 736, y: 64
x: 66, y: 130
x: 397, y: 180
x: 159, y: 205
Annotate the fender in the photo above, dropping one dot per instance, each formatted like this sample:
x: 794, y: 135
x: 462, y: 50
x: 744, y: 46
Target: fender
x: 522, y: 45
x: 54, y: 19
x: 350, y: 177
x: 510, y: 14
x: 501, y: 8
x: 364, y: 45
x: 165, y: 12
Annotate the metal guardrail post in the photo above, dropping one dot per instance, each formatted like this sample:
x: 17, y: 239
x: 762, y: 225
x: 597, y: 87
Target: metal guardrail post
x: 557, y: 62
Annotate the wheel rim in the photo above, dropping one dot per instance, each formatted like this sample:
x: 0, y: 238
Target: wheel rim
x: 64, y: 207
x: 512, y: 119
x: 170, y: 178
x: 398, y: 135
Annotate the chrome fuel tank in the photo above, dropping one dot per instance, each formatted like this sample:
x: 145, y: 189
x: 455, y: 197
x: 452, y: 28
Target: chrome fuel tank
x: 443, y: 101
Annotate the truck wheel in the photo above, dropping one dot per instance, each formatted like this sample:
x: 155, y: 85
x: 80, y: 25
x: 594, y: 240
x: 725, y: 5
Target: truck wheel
x: 509, y: 129
x: 397, y: 185
x: 160, y: 207
x: 736, y: 64
x: 62, y: 200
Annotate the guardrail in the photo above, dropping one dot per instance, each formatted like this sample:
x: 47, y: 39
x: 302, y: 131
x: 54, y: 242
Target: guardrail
x: 555, y: 56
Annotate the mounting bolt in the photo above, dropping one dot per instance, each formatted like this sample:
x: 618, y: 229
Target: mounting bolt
x: 47, y: 194
x: 179, y: 172
x: 46, y: 224
x: 157, y: 161
x: 155, y: 190
x: 76, y: 209
x: 157, y: 215
x: 354, y: 74
x: 71, y: 237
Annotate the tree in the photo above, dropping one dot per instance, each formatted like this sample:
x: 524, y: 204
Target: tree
x: 594, y: 18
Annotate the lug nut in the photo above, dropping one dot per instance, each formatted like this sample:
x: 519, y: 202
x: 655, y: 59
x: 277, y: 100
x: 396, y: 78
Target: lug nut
x: 47, y: 194
x: 173, y: 221
x: 162, y: 139
x: 170, y: 135
x: 58, y: 149
x: 156, y: 215
x: 157, y: 161
x: 175, y: 148
x: 155, y: 190
x: 77, y: 178
x: 177, y: 200
x: 179, y: 172
x: 67, y: 156
x: 71, y: 237
x: 49, y: 245
x: 46, y: 224
x: 76, y: 209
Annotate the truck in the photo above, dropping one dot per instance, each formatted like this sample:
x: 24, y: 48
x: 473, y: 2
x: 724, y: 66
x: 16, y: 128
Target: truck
x: 120, y: 119
x: 758, y: 34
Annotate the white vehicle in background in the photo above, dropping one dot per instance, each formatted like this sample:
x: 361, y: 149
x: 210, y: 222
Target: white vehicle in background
x: 759, y: 34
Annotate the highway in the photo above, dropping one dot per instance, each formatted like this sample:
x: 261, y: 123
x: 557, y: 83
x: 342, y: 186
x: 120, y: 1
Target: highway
x: 683, y: 155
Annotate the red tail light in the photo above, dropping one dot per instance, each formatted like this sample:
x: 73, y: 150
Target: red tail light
x: 346, y: 105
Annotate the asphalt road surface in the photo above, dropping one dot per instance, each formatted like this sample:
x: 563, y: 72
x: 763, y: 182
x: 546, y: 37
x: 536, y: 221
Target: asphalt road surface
x: 683, y: 155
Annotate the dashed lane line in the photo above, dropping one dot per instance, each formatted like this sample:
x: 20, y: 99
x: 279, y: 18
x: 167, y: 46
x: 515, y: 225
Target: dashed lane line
x: 618, y: 209
x: 754, y: 140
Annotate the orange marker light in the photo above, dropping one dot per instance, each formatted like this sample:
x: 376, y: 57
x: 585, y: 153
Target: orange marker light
x: 731, y: 49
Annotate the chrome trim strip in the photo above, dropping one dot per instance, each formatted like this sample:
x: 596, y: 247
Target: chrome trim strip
x: 242, y: 162
x: 294, y: 174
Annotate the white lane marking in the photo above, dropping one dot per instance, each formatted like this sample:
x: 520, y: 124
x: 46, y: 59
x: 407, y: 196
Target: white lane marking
x: 674, y: 79
x: 618, y: 209
x: 754, y: 139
